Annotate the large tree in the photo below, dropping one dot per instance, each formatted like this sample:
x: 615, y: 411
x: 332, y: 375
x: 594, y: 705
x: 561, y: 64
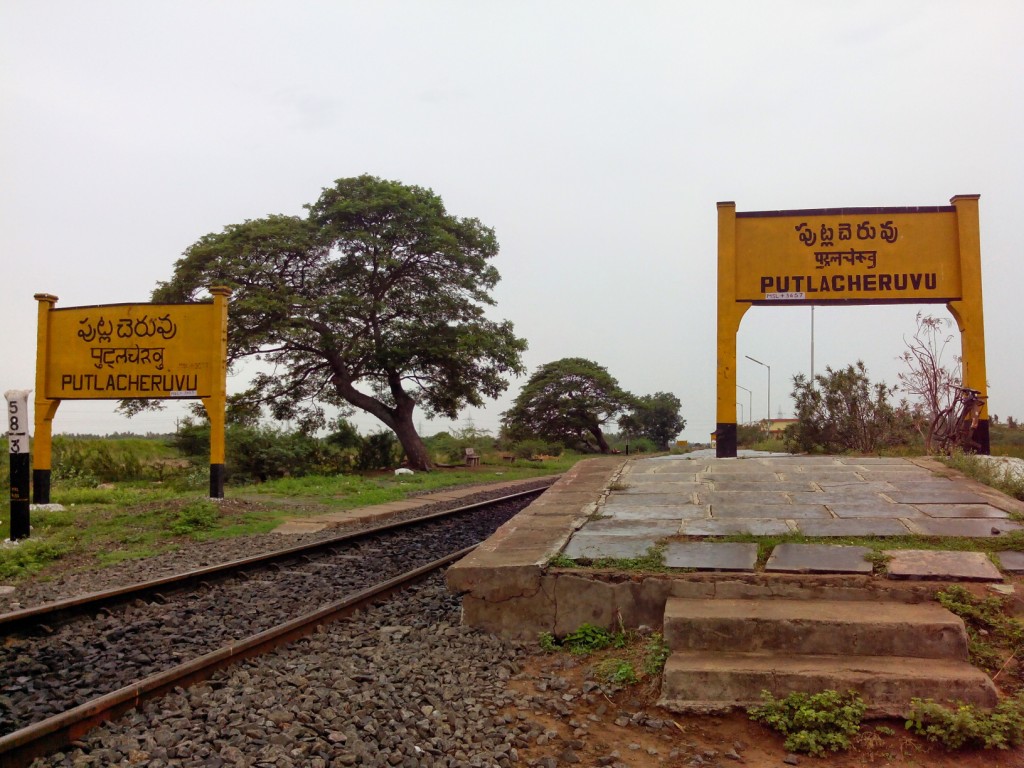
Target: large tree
x: 567, y: 401
x: 375, y: 300
x: 655, y: 417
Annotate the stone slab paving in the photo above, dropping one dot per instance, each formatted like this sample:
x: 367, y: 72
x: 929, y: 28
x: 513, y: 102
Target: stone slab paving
x: 662, y: 512
x: 1012, y: 562
x: 711, y: 556
x: 755, y: 526
x: 962, y: 510
x: 723, y: 511
x: 962, y: 527
x: 854, y: 526
x: 940, y: 566
x: 818, y: 558
x: 598, y: 546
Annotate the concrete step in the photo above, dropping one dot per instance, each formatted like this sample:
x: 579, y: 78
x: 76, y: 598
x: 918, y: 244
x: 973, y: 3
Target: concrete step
x: 841, y: 627
x: 710, y: 681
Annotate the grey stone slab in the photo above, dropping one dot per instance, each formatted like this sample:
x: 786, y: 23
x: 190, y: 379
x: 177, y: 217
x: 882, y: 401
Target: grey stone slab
x: 878, y: 508
x: 951, y: 496
x: 766, y: 485
x: 827, y: 477
x: 1012, y: 562
x: 973, y: 528
x: 858, y: 526
x: 860, y: 487
x: 749, y: 477
x: 929, y: 564
x: 906, y: 476
x: 740, y: 468
x: 962, y: 510
x: 877, y: 461
x: 649, y: 482
x: 639, y: 512
x: 781, y: 511
x: 753, y: 526
x: 609, y: 526
x: 668, y: 490
x: 802, y: 461
x: 743, y: 497
x: 592, y: 547
x: 818, y: 558
x: 617, y: 499
x: 709, y: 556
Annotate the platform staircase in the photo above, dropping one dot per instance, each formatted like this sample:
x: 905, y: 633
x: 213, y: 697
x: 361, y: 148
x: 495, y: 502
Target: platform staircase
x: 726, y: 651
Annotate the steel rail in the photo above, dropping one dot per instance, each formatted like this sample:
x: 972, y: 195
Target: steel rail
x: 36, y: 615
x: 20, y: 747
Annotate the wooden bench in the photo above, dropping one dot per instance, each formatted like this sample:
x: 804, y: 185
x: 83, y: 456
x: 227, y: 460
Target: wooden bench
x: 472, y: 459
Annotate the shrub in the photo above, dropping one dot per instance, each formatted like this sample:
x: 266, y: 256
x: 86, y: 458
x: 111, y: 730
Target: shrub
x: 965, y: 726
x: 812, y: 723
x: 199, y: 515
x: 618, y: 671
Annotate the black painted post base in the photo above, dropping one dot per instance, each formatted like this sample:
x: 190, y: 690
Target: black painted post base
x: 20, y: 470
x: 216, y: 481
x: 41, y: 486
x: 725, y: 441
x: 981, y: 437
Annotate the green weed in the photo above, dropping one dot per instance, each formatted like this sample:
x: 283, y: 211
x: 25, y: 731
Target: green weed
x: 200, y: 515
x: 618, y: 671
x: 29, y: 557
x: 966, y: 726
x: 589, y: 638
x: 990, y: 630
x: 812, y: 723
x: 656, y: 653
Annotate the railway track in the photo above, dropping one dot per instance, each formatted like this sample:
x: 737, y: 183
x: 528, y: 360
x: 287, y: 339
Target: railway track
x: 70, y: 665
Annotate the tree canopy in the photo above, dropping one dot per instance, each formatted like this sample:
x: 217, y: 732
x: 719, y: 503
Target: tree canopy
x: 567, y: 401
x: 655, y: 417
x: 375, y: 299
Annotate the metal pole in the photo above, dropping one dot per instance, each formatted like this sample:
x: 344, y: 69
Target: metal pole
x: 750, y: 397
x: 812, y: 346
x: 769, y: 385
x: 741, y: 412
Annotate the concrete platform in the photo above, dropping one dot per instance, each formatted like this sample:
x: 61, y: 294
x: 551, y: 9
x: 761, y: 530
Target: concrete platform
x: 613, y: 508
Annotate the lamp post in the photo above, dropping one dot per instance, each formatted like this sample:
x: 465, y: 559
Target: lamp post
x: 750, y: 397
x: 741, y: 412
x: 769, y: 385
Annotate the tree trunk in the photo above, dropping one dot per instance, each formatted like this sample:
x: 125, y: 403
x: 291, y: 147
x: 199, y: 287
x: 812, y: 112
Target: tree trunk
x: 601, y: 442
x: 412, y: 444
x: 398, y: 420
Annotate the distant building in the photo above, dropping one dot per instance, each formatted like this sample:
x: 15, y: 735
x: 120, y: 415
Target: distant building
x: 777, y: 427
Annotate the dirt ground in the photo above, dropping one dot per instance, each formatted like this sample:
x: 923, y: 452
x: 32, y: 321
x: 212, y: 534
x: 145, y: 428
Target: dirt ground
x: 592, y: 727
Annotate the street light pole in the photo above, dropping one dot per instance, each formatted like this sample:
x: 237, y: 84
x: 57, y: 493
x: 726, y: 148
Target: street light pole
x: 741, y: 412
x: 750, y: 397
x: 769, y: 385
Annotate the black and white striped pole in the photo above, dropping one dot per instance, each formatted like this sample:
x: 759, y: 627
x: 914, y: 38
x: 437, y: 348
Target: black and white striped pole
x: 18, y: 447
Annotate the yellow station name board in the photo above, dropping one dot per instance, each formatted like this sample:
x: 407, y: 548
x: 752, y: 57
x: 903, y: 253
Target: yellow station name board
x: 123, y: 351
x: 848, y: 255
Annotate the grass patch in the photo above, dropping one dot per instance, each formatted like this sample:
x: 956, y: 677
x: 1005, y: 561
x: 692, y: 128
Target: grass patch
x: 987, y: 472
x: 967, y: 727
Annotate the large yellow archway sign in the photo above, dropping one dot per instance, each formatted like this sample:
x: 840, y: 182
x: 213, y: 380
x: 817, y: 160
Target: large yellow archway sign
x: 127, y: 351
x: 849, y: 256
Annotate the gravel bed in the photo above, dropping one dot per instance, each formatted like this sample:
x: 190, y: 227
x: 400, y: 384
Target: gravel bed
x: 193, y: 554
x: 401, y: 684
x: 44, y: 675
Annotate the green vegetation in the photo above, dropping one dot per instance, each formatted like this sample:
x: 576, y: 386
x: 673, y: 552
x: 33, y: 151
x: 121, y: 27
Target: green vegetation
x: 107, y: 522
x: 841, y: 410
x: 621, y: 658
x: 967, y: 727
x: 988, y: 472
x: 812, y: 723
x: 993, y: 635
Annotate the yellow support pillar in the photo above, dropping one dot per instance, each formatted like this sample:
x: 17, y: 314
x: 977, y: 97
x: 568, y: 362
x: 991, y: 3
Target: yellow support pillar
x: 730, y: 313
x: 45, y: 408
x: 216, y: 404
x: 968, y: 311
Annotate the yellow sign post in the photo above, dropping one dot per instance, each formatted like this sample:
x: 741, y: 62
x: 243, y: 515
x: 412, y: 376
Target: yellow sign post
x: 129, y: 351
x: 849, y: 256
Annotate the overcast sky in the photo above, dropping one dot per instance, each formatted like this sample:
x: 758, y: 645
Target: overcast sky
x: 595, y: 137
